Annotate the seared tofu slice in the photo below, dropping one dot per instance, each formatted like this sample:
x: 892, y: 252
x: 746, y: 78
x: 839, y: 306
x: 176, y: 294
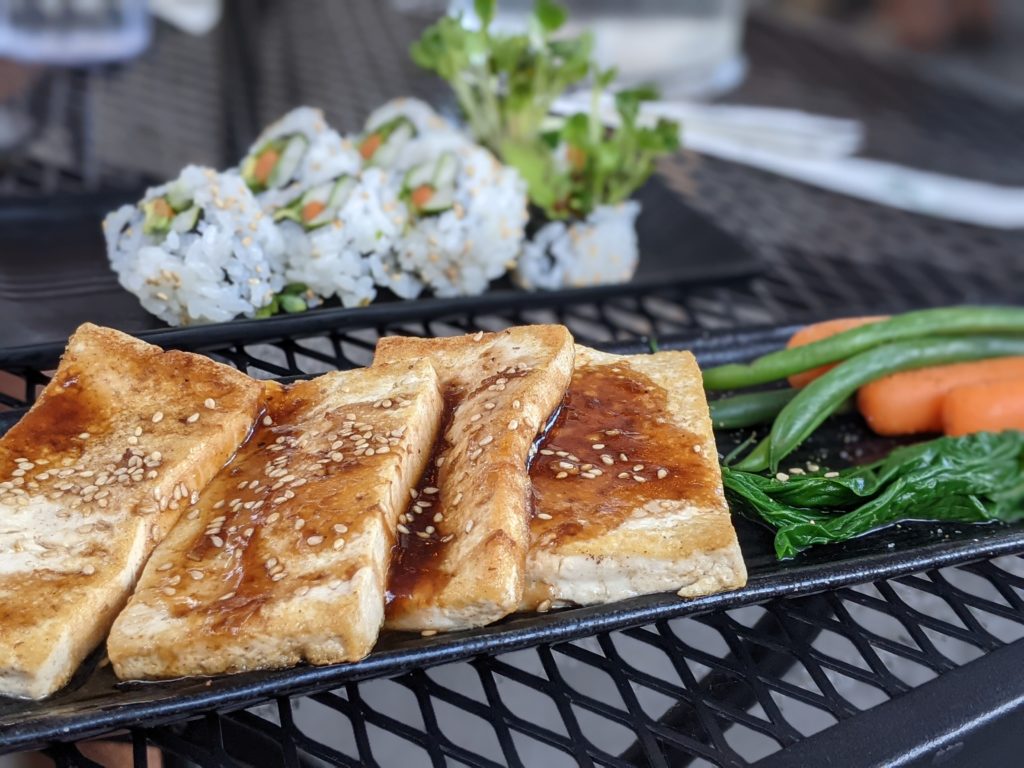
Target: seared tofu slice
x: 463, y: 539
x: 285, y: 556
x: 118, y: 444
x: 627, y: 491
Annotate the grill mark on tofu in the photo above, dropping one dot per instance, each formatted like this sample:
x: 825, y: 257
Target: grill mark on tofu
x: 609, y: 453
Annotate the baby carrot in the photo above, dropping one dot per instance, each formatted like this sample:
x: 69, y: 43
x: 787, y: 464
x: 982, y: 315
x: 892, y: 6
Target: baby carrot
x: 819, y: 331
x: 990, y: 406
x: 910, y: 402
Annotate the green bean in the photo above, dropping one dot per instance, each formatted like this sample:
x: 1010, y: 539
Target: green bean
x: 819, y: 399
x: 926, y: 322
x: 749, y: 409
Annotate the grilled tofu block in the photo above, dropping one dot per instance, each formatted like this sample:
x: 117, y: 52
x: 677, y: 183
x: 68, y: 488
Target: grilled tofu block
x: 285, y: 556
x: 463, y: 540
x: 90, y: 480
x: 627, y: 490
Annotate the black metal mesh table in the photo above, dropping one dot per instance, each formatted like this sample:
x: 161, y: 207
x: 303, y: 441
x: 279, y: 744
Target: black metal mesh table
x: 847, y: 677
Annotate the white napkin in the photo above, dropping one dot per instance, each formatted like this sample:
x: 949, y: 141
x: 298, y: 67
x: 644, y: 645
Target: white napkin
x: 819, y: 150
x: 196, y: 17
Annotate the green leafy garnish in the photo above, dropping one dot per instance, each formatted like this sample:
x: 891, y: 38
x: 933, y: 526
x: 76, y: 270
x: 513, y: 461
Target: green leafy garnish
x: 505, y: 84
x: 971, y: 479
x: 607, y: 165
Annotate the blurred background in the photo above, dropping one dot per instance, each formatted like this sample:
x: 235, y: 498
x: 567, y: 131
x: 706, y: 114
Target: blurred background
x: 100, y: 98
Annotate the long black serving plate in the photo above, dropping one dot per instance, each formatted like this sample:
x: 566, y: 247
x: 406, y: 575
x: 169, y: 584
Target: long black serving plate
x: 95, y: 702
x: 54, y: 273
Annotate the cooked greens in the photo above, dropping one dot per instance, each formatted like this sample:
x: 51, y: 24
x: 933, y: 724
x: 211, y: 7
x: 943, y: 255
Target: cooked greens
x: 971, y: 479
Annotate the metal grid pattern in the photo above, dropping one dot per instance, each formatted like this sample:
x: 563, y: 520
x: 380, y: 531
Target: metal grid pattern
x: 722, y: 689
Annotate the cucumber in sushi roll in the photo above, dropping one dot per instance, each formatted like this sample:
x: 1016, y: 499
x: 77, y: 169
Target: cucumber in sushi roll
x: 294, y: 154
x: 429, y: 188
x: 198, y: 249
x: 467, y: 215
x: 598, y: 250
x: 336, y: 232
x: 390, y: 127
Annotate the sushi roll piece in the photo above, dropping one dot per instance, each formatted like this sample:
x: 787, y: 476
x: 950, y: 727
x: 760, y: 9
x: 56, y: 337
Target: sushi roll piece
x: 467, y: 215
x: 296, y: 152
x: 334, y: 231
x: 197, y: 250
x: 599, y: 250
x: 390, y: 127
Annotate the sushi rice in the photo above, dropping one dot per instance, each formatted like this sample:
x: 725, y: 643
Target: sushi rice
x: 458, y: 251
x: 221, y: 256
x: 598, y: 250
x: 336, y: 259
x: 310, y: 152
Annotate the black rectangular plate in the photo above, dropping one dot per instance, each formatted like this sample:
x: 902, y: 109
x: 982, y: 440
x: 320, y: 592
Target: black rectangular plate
x: 95, y: 702
x: 54, y: 273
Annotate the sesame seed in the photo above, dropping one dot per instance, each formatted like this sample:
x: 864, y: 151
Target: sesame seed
x: 315, y: 540
x: 166, y: 567
x: 430, y: 490
x: 640, y: 479
x: 196, y: 575
x: 544, y: 606
x: 597, y: 446
x: 662, y: 474
x: 438, y: 517
x: 217, y: 541
x: 299, y: 524
x: 430, y: 529
x: 403, y: 529
x: 429, y: 632
x: 543, y: 515
x: 831, y: 474
x: 338, y: 543
x: 210, y: 403
x: 226, y: 596
x: 267, y: 421
x: 302, y: 591
x: 83, y: 436
x: 158, y: 417
x: 795, y: 471
x: 697, y: 449
x: 156, y: 455
x: 169, y: 591
x: 478, y: 335
x: 812, y: 467
x: 489, y: 406
x: 475, y: 417
x: 623, y: 457
x: 88, y: 569
x: 513, y: 425
x: 469, y: 526
x: 565, y: 465
x: 561, y: 475
x: 623, y: 475
x: 278, y: 576
x: 608, y: 460
x: 273, y: 517
x: 781, y: 477
x: 423, y: 534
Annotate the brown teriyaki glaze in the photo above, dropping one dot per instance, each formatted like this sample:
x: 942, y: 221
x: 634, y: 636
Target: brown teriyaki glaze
x: 416, y: 573
x: 610, y: 450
